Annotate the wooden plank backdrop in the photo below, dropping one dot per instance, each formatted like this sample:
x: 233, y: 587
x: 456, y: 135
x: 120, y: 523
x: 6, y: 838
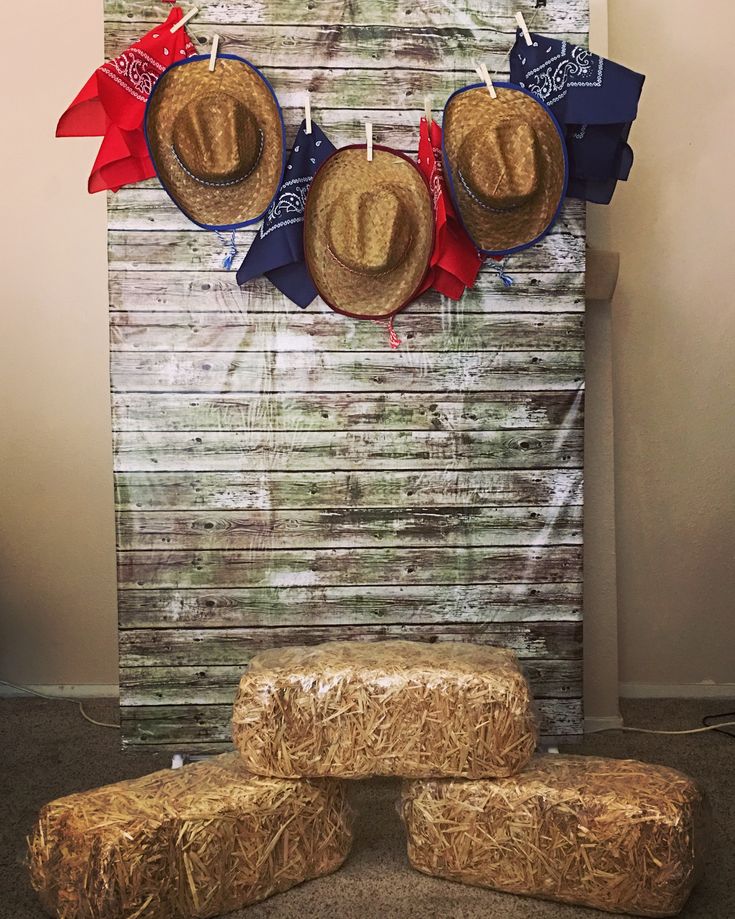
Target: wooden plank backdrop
x: 281, y: 475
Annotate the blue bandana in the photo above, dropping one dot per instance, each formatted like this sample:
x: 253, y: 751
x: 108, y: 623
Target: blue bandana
x: 278, y: 249
x: 595, y: 101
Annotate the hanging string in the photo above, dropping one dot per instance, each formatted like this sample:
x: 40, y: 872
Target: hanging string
x: 394, y: 340
x: 231, y: 247
x: 502, y: 273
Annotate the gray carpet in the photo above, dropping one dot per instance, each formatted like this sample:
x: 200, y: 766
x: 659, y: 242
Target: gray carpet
x: 49, y: 751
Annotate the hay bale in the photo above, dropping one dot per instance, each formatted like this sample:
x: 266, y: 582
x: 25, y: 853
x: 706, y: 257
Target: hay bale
x: 197, y: 841
x: 613, y: 834
x: 356, y: 709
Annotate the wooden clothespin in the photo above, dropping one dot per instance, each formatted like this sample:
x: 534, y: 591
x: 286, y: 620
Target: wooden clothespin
x: 184, y: 19
x: 524, y: 28
x: 427, y: 110
x: 307, y: 111
x: 213, y: 53
x: 482, y: 73
x: 369, y: 138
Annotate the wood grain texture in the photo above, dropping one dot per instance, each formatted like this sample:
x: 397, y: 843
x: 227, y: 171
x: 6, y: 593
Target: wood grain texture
x: 363, y: 488
x: 214, y: 291
x: 284, y: 477
x: 421, y: 604
x: 496, y: 16
x: 352, y: 47
x: 219, y: 647
x: 138, y: 331
x: 346, y: 371
x: 298, y: 451
x: 344, y: 411
x: 333, y: 567
x: 350, y: 528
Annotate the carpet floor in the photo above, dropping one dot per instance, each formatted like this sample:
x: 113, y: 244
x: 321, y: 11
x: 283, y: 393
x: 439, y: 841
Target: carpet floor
x: 49, y: 751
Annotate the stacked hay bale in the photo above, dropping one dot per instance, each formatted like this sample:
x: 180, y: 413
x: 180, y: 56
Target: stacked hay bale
x: 392, y: 708
x: 454, y: 721
x: 616, y: 835
x: 192, y: 842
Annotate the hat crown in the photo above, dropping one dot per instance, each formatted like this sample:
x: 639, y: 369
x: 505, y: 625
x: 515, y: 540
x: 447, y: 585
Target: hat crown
x: 500, y: 164
x: 369, y: 232
x: 217, y: 139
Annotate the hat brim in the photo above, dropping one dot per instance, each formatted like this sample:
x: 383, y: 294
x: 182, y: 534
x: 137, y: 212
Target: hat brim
x: 210, y: 206
x: 496, y: 232
x: 365, y: 296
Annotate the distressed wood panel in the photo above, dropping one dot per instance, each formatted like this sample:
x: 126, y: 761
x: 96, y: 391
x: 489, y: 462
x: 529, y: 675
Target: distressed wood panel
x: 342, y: 411
x: 497, y: 16
x: 365, y: 488
x: 209, y: 451
x: 332, y: 567
x: 209, y: 725
x: 196, y: 250
x: 281, y: 476
x: 214, y: 291
x: 340, y: 605
x: 351, y: 47
x: 139, y: 207
x: 349, y: 528
x: 220, y: 647
x: 212, y: 685
x: 348, y: 371
x: 325, y: 332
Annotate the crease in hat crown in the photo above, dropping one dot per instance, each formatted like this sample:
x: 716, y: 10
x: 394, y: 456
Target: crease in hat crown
x: 498, y: 165
x: 217, y: 114
x: 217, y: 140
x: 370, y: 232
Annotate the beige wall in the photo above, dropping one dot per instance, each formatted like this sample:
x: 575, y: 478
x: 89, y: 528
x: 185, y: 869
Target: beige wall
x: 673, y: 337
x: 56, y: 517
x: 674, y: 346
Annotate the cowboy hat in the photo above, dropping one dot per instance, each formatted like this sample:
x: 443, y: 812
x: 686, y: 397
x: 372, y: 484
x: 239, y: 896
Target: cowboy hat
x: 506, y: 163
x: 216, y: 140
x: 368, y: 231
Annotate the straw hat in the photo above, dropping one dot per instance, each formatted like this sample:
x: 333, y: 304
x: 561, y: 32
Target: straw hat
x: 216, y: 140
x: 507, y: 166
x: 368, y: 231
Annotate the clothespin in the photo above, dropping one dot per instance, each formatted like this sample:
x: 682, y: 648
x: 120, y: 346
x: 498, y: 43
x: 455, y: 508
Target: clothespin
x: 427, y: 111
x: 213, y: 53
x: 524, y: 28
x: 482, y: 73
x: 307, y: 112
x: 184, y: 19
x: 369, y: 138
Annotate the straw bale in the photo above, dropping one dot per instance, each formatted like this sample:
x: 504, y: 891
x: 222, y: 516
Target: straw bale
x: 617, y: 835
x: 191, y: 842
x: 389, y: 708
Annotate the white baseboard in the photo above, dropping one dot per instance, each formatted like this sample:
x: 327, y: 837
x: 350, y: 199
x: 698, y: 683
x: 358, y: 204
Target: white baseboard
x: 677, y: 690
x: 64, y: 690
x: 594, y: 723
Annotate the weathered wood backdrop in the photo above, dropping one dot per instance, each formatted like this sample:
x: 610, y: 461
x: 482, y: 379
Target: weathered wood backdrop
x: 282, y: 476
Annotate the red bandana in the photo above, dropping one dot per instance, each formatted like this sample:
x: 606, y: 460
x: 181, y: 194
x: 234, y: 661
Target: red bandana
x: 112, y: 103
x: 455, y: 261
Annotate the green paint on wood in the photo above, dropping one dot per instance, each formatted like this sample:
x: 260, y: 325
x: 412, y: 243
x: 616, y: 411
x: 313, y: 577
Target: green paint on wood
x: 422, y: 604
x: 363, y: 488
